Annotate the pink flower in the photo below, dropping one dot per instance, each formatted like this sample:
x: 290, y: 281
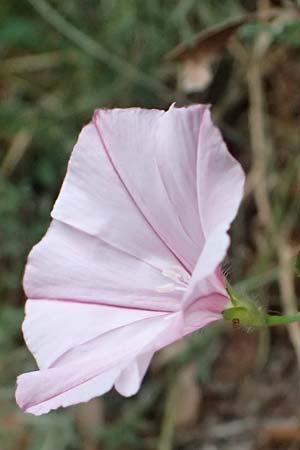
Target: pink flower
x: 131, y: 260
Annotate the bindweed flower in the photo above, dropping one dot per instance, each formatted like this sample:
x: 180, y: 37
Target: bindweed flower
x: 131, y: 260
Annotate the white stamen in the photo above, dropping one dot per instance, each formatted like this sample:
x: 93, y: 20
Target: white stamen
x: 166, y: 288
x: 180, y: 279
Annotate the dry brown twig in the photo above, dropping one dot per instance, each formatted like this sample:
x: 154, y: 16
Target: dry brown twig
x: 15, y: 152
x: 258, y: 139
x: 169, y: 419
x: 32, y: 63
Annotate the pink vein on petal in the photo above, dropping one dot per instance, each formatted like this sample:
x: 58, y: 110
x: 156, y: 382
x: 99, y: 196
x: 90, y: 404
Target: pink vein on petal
x: 107, y: 333
x: 94, y: 121
x: 110, y: 245
x: 84, y: 301
x: 107, y: 367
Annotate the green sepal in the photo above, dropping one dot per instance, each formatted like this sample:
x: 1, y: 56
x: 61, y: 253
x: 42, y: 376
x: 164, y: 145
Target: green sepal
x: 233, y: 297
x: 246, y: 313
x: 245, y: 317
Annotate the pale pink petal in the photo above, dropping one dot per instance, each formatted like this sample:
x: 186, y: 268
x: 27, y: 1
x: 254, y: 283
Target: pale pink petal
x: 154, y: 154
x: 130, y: 379
x: 220, y: 181
x: 71, y: 265
x: 212, y: 255
x: 36, y: 391
x: 51, y: 328
x: 91, y: 368
x: 94, y: 200
x: 204, y: 311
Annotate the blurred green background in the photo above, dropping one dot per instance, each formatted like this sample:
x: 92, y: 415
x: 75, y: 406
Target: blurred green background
x: 60, y: 60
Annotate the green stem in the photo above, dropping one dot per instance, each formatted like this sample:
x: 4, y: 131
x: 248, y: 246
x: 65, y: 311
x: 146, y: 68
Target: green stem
x: 281, y: 320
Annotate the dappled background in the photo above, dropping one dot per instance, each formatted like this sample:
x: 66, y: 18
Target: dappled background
x: 221, y: 388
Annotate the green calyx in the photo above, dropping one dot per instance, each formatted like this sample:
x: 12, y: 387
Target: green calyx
x: 244, y: 317
x: 246, y: 313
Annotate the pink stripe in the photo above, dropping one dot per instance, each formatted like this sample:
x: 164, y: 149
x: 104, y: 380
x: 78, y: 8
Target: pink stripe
x: 97, y: 113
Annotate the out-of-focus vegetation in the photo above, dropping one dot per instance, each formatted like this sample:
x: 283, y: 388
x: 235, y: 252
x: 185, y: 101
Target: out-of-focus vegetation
x: 59, y: 61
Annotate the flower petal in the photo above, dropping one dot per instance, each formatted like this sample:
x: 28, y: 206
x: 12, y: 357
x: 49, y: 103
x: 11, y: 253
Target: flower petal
x: 71, y: 265
x: 154, y: 154
x: 220, y: 179
x: 93, y: 200
x: 220, y: 187
x: 204, y: 311
x: 40, y: 392
x: 91, y: 368
x: 129, y: 381
x: 51, y: 328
